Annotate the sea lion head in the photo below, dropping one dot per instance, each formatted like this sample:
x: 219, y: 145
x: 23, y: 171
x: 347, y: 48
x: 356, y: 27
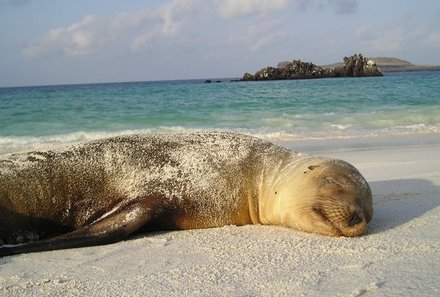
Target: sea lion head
x: 327, y: 196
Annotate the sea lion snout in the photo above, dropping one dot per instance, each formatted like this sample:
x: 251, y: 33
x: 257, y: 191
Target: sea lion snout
x: 355, y: 219
x: 339, y: 219
x: 356, y: 224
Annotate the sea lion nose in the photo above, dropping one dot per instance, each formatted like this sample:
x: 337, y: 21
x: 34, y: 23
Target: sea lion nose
x: 355, y: 219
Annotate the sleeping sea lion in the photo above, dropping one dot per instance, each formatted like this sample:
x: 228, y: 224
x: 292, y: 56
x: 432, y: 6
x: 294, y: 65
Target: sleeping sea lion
x: 99, y: 192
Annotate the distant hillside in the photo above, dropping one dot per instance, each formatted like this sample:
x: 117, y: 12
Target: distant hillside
x: 391, y: 61
x: 391, y: 64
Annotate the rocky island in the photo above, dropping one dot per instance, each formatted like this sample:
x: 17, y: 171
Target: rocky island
x: 354, y: 66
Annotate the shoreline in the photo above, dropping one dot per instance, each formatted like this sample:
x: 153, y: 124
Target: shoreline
x: 313, y: 146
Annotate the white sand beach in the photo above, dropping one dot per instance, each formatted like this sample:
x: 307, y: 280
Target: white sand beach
x: 400, y: 255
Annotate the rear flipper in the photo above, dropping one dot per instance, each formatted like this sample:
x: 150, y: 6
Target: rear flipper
x: 111, y: 227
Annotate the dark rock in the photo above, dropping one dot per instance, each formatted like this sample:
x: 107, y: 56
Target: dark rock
x: 354, y: 66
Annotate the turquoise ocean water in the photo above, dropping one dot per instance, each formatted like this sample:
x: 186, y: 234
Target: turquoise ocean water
x: 398, y: 103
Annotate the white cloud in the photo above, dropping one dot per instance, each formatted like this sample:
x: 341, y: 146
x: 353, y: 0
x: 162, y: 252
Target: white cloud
x: 140, y: 29
x: 129, y: 20
x: 93, y: 33
x: 268, y: 24
x: 85, y: 37
x: 168, y: 21
x: 241, y: 8
x: 234, y: 8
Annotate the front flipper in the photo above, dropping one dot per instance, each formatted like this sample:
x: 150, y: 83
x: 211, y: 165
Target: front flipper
x: 111, y: 227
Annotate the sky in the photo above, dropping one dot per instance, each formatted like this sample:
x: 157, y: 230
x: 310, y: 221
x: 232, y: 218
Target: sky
x: 45, y: 42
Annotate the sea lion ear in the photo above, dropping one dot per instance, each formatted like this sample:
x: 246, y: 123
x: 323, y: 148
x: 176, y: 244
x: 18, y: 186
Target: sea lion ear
x: 311, y: 167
